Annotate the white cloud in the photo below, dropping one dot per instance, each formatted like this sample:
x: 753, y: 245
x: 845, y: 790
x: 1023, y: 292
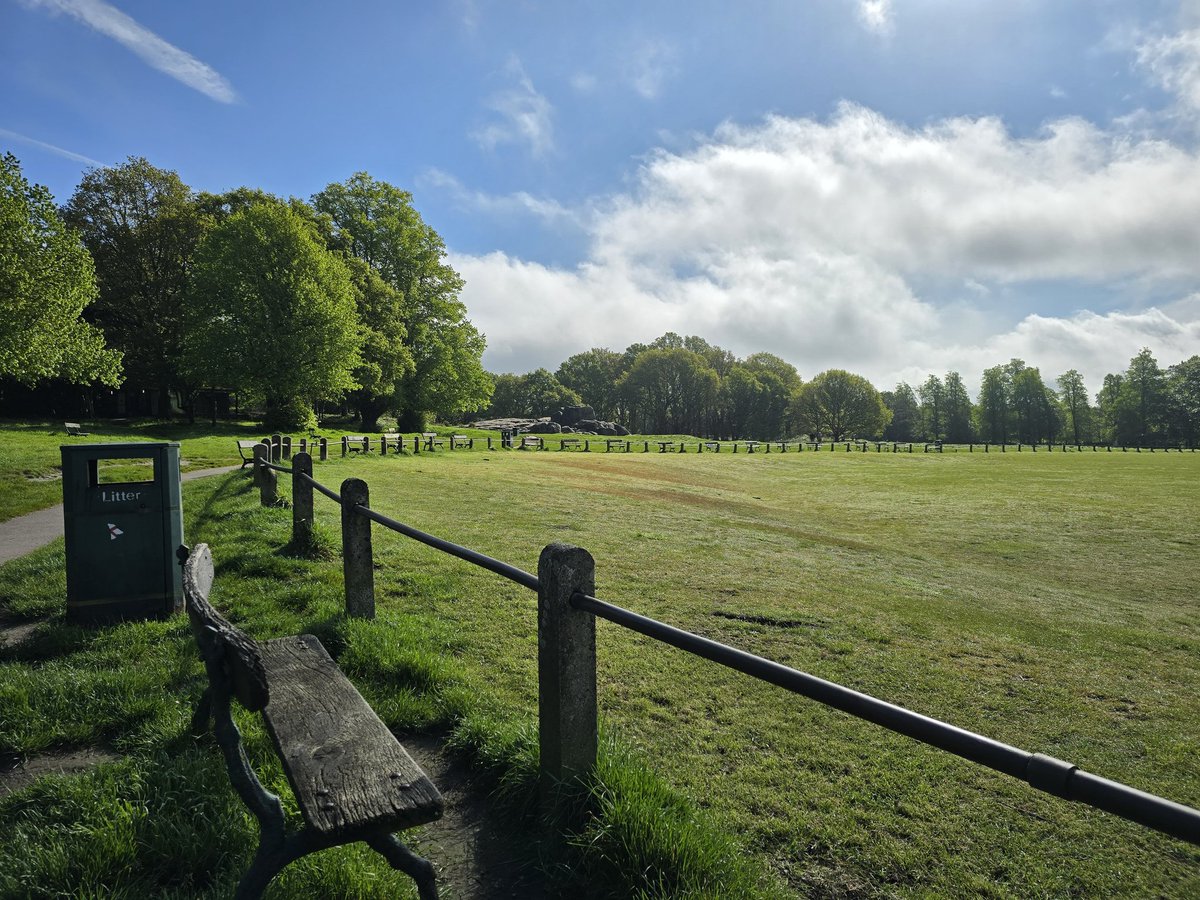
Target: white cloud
x: 58, y: 151
x: 153, y: 50
x: 523, y: 115
x: 651, y: 64
x: 876, y: 15
x: 521, y: 202
x: 1174, y: 61
x: 808, y: 238
x: 584, y: 82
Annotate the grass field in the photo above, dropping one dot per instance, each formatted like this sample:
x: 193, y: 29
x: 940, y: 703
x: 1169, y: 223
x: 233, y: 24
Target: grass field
x: 1046, y: 600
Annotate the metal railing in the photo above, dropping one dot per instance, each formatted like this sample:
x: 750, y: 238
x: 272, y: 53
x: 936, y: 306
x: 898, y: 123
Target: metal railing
x: 566, y: 672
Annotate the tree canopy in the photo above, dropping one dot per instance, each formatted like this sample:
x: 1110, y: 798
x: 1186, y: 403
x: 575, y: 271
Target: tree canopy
x: 840, y: 404
x: 272, y: 310
x: 47, y: 280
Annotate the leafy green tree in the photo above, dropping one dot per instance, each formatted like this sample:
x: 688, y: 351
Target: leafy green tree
x: 272, y: 311
x: 670, y: 391
x: 958, y: 410
x: 1183, y: 400
x: 534, y: 394
x: 1116, y: 418
x: 46, y: 282
x: 1144, y: 393
x: 593, y: 375
x: 1078, y: 411
x: 1034, y: 406
x: 933, y: 408
x: 840, y: 404
x: 905, y: 413
x: 993, y: 414
x: 141, y: 227
x: 377, y: 222
x: 386, y: 357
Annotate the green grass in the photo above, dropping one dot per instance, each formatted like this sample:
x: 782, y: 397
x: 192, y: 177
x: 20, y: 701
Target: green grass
x: 1044, y: 600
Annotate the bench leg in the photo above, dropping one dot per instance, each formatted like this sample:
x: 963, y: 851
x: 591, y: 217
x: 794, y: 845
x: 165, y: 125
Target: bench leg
x: 272, y: 858
x: 401, y: 858
x: 202, y: 714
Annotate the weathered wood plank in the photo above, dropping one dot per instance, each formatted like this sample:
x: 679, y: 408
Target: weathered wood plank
x: 346, y: 769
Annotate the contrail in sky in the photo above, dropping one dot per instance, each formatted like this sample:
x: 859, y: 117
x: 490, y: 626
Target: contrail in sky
x: 25, y: 139
x: 111, y: 22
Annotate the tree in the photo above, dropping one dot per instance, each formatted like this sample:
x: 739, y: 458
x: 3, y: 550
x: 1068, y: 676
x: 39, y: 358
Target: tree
x: 593, y: 375
x: 1034, y: 406
x: 993, y: 412
x: 376, y: 222
x: 906, y: 413
x: 1144, y: 393
x: 1183, y: 400
x: 273, y: 311
x: 1074, y: 398
x: 46, y: 282
x: 536, y: 393
x: 957, y: 410
x: 840, y: 404
x: 141, y: 227
x: 386, y: 358
x: 933, y: 408
x: 669, y: 391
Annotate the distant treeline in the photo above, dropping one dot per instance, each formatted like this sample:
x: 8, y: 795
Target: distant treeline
x: 685, y: 385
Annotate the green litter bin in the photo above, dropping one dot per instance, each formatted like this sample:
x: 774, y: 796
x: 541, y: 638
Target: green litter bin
x: 123, y: 521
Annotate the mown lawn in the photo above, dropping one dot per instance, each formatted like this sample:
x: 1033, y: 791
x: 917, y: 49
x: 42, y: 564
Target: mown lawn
x: 1046, y: 600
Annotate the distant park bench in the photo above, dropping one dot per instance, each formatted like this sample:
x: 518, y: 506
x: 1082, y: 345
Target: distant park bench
x: 714, y: 446
x: 431, y: 440
x: 352, y: 779
x: 462, y: 441
x: 391, y: 437
x: 244, y: 448
x: 616, y: 442
x: 568, y: 443
x: 75, y: 430
x: 355, y: 443
x: 532, y: 442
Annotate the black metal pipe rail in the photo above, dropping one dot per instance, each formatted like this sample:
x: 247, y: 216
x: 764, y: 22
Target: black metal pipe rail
x: 1045, y: 773
x: 512, y: 573
x: 1042, y: 772
x: 270, y: 465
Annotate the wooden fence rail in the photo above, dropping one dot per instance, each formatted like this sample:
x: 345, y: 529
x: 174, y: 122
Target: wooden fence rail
x: 567, y: 707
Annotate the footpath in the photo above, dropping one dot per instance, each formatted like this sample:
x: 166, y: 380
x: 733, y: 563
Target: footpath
x: 27, y: 533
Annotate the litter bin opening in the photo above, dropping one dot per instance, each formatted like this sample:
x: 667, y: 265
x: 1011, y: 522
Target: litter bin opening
x: 128, y: 470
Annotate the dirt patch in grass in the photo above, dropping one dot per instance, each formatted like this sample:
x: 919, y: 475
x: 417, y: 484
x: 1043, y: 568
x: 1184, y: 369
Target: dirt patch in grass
x: 13, y: 633
x: 16, y: 774
x: 478, y: 855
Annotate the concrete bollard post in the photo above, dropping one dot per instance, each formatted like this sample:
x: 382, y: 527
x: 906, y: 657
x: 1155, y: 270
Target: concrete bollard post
x: 345, y: 446
x: 276, y: 448
x: 268, y: 481
x: 383, y: 445
x: 358, y: 564
x: 566, y: 669
x: 324, y: 449
x: 287, y: 446
x: 302, y: 500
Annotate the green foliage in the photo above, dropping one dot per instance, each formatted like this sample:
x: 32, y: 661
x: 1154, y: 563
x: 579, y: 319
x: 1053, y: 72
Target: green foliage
x: 593, y: 375
x: 272, y: 310
x: 537, y: 393
x: 377, y: 223
x: 840, y: 404
x: 47, y: 279
x: 1077, y: 410
x: 141, y: 228
x: 902, y: 403
x: 1183, y: 399
x: 669, y: 390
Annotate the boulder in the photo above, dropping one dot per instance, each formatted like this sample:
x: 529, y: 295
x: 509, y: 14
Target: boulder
x: 569, y: 415
x: 543, y: 428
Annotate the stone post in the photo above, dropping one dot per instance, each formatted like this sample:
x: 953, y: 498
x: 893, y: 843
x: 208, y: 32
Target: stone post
x: 276, y: 448
x: 566, y: 670
x: 324, y: 445
x: 302, y: 500
x: 358, y: 565
x: 287, y: 446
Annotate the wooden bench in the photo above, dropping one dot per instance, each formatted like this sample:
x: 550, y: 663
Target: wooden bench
x: 355, y: 443
x: 615, y: 442
x: 431, y: 440
x: 532, y: 442
x: 714, y: 446
x: 569, y: 442
x: 462, y: 441
x: 74, y: 429
x: 245, y: 447
x: 393, y: 438
x: 352, y: 779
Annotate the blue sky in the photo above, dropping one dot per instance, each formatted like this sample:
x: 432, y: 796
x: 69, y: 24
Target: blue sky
x: 890, y: 186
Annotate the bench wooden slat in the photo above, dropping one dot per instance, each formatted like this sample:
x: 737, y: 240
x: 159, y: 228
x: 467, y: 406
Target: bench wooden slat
x: 345, y: 768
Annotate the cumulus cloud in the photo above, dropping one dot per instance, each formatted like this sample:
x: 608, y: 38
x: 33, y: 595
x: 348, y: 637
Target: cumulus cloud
x: 815, y: 239
x: 153, y: 50
x: 521, y: 115
x: 1174, y: 61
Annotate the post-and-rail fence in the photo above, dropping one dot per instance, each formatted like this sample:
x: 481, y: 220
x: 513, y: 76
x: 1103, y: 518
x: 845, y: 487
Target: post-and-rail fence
x: 567, y: 613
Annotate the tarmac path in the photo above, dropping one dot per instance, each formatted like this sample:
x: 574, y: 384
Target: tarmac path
x: 27, y: 533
